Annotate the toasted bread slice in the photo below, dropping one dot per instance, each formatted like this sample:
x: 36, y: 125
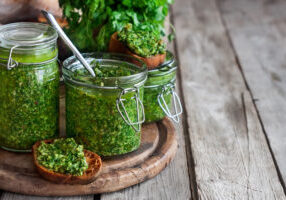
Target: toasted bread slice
x: 118, y: 47
x: 94, y: 168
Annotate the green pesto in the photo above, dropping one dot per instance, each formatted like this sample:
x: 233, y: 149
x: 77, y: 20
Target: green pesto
x: 28, y: 102
x: 104, y: 71
x: 144, y: 43
x: 93, y: 119
x: 153, y: 111
x: 64, y: 156
x: 153, y: 87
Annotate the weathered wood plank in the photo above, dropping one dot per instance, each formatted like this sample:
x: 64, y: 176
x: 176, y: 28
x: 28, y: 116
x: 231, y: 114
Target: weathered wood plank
x: 230, y: 151
x: 257, y: 30
x: 13, y: 196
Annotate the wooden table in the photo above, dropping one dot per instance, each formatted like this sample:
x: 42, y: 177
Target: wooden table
x: 232, y: 80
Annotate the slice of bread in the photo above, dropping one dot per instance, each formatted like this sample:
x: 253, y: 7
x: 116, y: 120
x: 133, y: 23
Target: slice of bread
x: 94, y: 168
x: 116, y: 46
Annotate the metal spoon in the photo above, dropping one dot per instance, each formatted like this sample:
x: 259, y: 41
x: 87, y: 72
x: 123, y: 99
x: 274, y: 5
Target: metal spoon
x: 67, y: 41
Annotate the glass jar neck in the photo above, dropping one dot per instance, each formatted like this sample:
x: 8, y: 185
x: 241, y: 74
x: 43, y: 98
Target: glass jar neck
x: 32, y: 55
x: 136, y: 78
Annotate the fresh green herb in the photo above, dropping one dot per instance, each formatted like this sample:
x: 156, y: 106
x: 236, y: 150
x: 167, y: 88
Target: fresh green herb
x: 92, y: 22
x: 142, y: 42
x: 63, y: 155
x: 28, y: 104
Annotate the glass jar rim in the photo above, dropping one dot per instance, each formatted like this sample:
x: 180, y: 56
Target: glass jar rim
x: 26, y: 36
x: 165, y: 68
x: 71, y: 64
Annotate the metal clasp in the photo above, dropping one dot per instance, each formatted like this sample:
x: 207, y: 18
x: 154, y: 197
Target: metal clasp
x: 11, y: 63
x: 139, y: 107
x: 176, y: 101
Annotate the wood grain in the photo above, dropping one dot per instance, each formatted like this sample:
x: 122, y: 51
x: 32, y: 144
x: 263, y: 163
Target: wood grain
x: 258, y: 33
x: 231, y: 156
x: 18, y: 174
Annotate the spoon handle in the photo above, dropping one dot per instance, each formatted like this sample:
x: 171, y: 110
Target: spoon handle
x: 67, y: 41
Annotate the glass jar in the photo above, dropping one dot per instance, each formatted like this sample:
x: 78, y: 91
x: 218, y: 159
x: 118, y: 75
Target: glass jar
x: 105, y: 113
x: 159, y: 92
x: 29, y: 88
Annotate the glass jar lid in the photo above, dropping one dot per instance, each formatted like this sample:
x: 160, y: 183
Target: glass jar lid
x: 113, y: 71
x: 27, y: 36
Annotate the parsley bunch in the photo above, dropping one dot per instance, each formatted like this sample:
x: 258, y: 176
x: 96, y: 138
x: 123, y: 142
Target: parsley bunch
x: 92, y: 22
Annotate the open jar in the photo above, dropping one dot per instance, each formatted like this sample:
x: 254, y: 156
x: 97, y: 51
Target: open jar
x: 29, y: 88
x: 105, y: 113
x: 159, y: 92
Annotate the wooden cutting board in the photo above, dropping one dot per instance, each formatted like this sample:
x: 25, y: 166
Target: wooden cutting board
x: 158, y: 147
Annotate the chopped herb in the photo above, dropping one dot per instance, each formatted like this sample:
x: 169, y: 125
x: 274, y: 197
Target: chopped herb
x: 153, y: 111
x: 64, y: 156
x: 142, y: 42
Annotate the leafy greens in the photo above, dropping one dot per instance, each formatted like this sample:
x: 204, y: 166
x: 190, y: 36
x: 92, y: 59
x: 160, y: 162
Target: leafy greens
x: 92, y: 22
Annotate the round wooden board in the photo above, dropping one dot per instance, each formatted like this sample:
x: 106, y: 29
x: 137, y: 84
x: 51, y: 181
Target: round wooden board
x: 159, y: 145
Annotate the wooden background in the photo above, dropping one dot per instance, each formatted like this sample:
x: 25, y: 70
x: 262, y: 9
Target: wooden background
x: 232, y: 80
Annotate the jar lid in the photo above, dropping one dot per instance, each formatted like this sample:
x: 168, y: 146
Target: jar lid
x: 167, y: 67
x: 27, y: 35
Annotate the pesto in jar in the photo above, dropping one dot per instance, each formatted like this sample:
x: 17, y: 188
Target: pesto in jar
x: 144, y: 43
x: 29, y: 105
x: 91, y: 110
x: 29, y: 91
x: 158, y: 82
x: 153, y: 111
x: 64, y: 156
